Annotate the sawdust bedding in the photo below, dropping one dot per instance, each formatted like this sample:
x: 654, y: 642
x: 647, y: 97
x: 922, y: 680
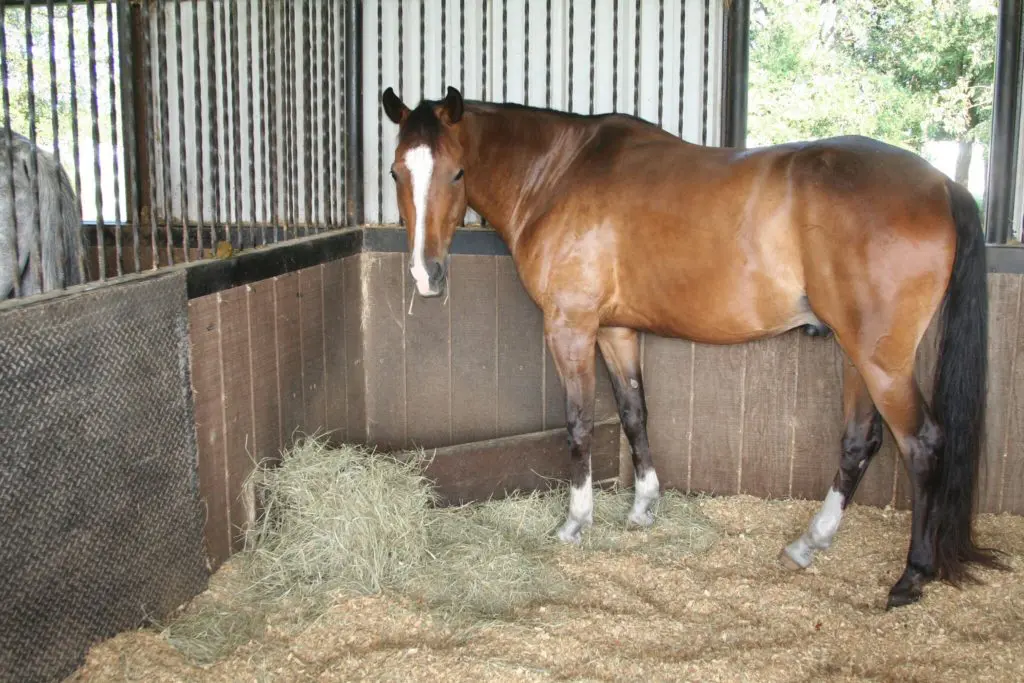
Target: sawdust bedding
x: 729, y: 614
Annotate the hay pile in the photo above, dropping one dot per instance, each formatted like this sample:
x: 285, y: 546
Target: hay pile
x: 347, y: 521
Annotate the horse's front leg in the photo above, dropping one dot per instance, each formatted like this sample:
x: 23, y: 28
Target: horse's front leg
x: 572, y: 342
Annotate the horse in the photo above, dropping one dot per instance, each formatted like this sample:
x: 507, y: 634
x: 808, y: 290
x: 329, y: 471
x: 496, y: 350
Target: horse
x: 616, y: 226
x: 42, y: 205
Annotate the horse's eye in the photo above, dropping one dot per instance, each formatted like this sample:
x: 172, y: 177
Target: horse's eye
x: 458, y: 176
x: 393, y: 176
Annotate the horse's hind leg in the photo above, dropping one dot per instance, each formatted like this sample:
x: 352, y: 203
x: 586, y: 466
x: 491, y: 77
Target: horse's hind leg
x: 621, y: 350
x: 572, y: 344
x: 861, y: 441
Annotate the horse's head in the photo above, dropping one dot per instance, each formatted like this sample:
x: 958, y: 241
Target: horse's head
x: 428, y: 178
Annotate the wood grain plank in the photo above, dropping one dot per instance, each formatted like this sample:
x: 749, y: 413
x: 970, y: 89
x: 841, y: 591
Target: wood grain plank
x: 668, y: 374
x: 1012, y: 497
x: 236, y: 404
x: 520, y: 350
x: 474, y: 347
x: 355, y: 370
x: 289, y: 357
x: 719, y: 378
x: 428, y: 331
x: 335, y: 375
x: 769, y: 402
x: 1004, y: 313
x: 263, y: 358
x: 204, y: 334
x: 819, y: 417
x: 311, y: 337
x: 384, y: 349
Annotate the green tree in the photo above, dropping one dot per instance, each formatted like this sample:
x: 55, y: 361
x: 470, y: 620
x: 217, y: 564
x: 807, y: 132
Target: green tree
x: 940, y: 50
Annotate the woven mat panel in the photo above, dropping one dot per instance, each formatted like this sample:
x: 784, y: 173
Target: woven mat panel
x: 102, y: 526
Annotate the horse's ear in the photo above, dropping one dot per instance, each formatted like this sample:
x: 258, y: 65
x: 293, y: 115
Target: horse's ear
x: 451, y: 106
x: 394, y: 107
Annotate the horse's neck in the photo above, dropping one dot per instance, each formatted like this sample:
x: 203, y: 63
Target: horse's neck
x: 510, y: 176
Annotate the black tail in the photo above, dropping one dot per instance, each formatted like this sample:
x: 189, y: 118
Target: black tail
x: 960, y: 395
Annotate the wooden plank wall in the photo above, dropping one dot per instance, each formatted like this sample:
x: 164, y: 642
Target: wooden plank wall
x: 270, y: 360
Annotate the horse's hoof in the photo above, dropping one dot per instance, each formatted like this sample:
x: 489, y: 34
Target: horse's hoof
x: 639, y: 520
x: 909, y: 588
x: 793, y: 560
x: 571, y: 533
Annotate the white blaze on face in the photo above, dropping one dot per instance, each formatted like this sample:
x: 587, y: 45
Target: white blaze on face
x: 420, y: 162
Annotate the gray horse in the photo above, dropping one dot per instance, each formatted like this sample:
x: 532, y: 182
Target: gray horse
x: 59, y: 221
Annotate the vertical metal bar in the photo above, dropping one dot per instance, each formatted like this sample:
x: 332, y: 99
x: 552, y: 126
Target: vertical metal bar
x: 526, y: 56
x: 272, y: 51
x: 263, y: 58
x: 165, y: 130
x: 572, y: 51
x: 112, y: 87
x: 353, y: 111
x: 483, y: 57
x: 213, y: 100
x: 326, y: 119
x: 462, y: 45
x: 682, y: 60
x: 54, y: 120
x: 547, y: 47
x: 615, y: 55
x: 132, y: 162
x: 999, y: 193
x: 37, y: 239
x: 380, y: 108
x: 200, y: 130
x: 250, y: 96
x: 704, y: 94
x: 230, y: 105
x: 15, y: 260
x: 94, y: 110
x: 293, y: 131
x: 423, y: 51
x: 244, y: 239
x: 401, y: 51
x: 74, y: 122
x: 636, y: 61
x: 593, y: 49
x: 179, y: 67
x: 307, y: 107
x: 444, y: 41
x: 153, y: 131
x: 661, y: 60
x: 504, y: 50
x: 225, y: 114
x: 734, y: 122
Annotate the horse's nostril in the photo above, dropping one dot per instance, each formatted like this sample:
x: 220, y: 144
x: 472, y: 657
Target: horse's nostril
x: 436, y: 270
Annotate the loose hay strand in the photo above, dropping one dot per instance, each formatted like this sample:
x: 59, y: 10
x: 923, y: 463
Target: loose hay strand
x: 351, y: 521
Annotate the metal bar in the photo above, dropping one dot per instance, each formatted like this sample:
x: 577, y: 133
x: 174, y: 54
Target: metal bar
x: 272, y: 125
x: 380, y: 106
x: 1005, y: 116
x: 226, y: 107
x: 444, y: 41
x: 33, y: 157
x: 593, y: 49
x: 423, y: 51
x: 504, y: 49
x: 327, y: 120
x: 128, y: 74
x: 401, y: 51
x: 307, y: 121
x: 74, y: 123
x: 292, y: 131
x: 483, y: 57
x: 112, y: 83
x: 236, y: 128
x: 15, y: 261
x: 250, y: 96
x: 615, y: 55
x: 526, y: 56
x: 704, y: 93
x: 54, y: 119
x: 636, y: 61
x: 151, y: 121
x: 179, y: 68
x: 682, y: 60
x: 200, y: 130
x: 462, y: 44
x: 737, y: 42
x: 572, y: 53
x: 353, y: 45
x: 165, y: 126
x: 94, y: 110
x: 661, y: 60
x: 547, y: 41
x: 261, y: 47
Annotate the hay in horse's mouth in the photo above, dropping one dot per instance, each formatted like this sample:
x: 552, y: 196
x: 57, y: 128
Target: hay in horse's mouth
x: 346, y: 521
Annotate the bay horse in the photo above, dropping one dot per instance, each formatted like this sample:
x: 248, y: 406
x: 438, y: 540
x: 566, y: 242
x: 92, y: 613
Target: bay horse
x: 617, y: 226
